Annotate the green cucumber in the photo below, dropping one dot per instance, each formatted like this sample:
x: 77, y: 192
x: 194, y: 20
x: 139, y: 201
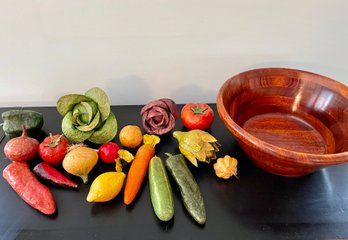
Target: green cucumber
x: 160, y: 190
x: 14, y: 119
x: 189, y: 189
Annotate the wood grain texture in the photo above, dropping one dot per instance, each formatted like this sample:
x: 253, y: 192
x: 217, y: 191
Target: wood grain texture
x: 289, y: 122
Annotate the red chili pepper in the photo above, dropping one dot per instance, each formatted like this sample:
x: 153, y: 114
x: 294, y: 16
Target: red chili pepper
x: 49, y: 173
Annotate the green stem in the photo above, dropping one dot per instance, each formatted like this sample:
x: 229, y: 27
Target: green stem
x: 169, y: 154
x: 84, y: 179
x: 54, y: 142
x: 198, y: 110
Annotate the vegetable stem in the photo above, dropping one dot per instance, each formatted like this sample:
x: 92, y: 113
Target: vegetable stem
x: 54, y: 142
x: 198, y: 110
x: 84, y: 179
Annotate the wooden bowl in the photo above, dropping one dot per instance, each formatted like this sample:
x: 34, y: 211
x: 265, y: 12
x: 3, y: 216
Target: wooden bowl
x: 289, y: 122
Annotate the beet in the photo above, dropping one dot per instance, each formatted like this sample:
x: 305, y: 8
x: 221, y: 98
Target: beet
x: 47, y: 172
x: 23, y: 148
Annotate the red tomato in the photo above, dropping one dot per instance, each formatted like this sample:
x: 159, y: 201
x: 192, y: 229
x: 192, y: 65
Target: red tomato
x: 108, y: 152
x: 197, y: 116
x: 53, y: 149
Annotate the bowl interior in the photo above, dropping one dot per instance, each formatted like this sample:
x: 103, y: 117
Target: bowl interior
x: 291, y: 109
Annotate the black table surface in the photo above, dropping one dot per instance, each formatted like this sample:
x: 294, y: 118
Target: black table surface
x: 257, y: 205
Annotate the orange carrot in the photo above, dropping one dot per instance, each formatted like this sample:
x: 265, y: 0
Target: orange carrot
x: 138, y: 169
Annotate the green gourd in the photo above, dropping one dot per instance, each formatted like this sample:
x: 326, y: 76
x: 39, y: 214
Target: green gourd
x: 160, y: 190
x: 190, y: 193
x: 13, y: 120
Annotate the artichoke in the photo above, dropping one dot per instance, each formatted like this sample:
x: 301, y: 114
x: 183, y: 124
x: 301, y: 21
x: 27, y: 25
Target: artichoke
x: 197, y: 145
x: 87, y: 117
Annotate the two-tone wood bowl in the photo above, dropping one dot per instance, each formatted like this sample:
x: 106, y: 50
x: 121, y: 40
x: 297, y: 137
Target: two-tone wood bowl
x: 289, y: 122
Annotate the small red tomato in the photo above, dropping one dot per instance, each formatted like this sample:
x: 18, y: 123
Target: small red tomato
x: 108, y: 152
x: 197, y: 116
x: 53, y: 149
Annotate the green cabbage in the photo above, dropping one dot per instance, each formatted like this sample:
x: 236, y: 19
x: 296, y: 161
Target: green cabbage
x: 87, y: 117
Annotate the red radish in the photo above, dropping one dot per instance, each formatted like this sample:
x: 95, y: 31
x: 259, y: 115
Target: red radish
x: 108, y: 152
x: 47, y: 172
x: 54, y: 148
x: 29, y: 188
x: 22, y: 149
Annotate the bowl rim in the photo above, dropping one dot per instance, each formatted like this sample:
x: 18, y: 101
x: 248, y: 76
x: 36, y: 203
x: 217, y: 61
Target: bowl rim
x: 287, y: 155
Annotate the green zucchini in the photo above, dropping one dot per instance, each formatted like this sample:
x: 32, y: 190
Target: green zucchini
x: 189, y: 189
x: 160, y: 190
x: 14, y: 119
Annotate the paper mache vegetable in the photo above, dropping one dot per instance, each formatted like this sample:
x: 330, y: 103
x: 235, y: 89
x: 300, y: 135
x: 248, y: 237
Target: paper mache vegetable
x: 87, y: 117
x: 159, y: 116
x: 139, y: 166
x: 189, y: 189
x: 197, y: 145
x: 29, y: 188
x: 22, y: 148
x: 226, y: 167
x: 80, y: 160
x: 106, y: 187
x: 15, y: 119
x: 47, y: 172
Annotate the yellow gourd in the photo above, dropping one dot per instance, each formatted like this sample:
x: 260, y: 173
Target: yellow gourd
x: 226, y: 167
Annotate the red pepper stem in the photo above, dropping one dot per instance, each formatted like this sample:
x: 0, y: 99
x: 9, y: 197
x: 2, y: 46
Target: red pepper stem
x: 54, y: 142
x: 198, y: 110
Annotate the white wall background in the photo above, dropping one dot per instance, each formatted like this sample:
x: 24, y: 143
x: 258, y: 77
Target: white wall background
x: 138, y: 50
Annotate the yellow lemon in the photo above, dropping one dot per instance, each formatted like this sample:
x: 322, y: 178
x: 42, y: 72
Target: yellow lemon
x: 106, y: 186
